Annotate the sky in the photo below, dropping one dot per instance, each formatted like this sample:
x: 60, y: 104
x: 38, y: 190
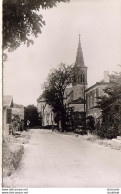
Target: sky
x: 98, y: 22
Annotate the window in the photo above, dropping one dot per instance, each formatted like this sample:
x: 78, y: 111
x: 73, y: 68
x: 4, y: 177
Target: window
x: 8, y: 116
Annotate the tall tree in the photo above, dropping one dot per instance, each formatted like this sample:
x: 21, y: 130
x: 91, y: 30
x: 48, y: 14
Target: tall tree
x: 54, y: 90
x: 21, y: 19
x: 31, y: 114
x: 110, y: 105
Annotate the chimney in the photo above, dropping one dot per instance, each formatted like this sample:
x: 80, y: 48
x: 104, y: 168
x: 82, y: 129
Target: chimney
x: 106, y: 76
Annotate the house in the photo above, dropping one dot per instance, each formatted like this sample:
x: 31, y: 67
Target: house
x: 7, y: 113
x: 92, y: 94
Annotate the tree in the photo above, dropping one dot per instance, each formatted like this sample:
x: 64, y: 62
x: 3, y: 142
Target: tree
x: 54, y: 90
x: 21, y: 19
x: 110, y: 105
x: 31, y: 114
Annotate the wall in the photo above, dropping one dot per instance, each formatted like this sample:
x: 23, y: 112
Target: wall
x: 5, y: 123
x: 92, y: 100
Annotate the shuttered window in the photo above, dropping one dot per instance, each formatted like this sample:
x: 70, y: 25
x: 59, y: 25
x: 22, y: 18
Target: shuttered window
x: 8, y: 116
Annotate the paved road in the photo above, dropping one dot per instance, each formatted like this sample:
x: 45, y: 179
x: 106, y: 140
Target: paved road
x: 57, y: 160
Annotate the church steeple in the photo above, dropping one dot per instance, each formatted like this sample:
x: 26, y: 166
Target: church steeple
x: 79, y: 56
x: 80, y: 70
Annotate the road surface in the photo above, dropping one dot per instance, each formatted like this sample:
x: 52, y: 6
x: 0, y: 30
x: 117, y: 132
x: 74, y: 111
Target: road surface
x: 57, y: 160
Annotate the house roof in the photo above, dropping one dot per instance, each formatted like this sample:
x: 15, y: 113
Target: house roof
x: 96, y: 84
x: 7, y: 101
x: 41, y: 98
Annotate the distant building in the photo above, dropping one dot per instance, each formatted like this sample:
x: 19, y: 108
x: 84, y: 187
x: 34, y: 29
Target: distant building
x: 92, y: 94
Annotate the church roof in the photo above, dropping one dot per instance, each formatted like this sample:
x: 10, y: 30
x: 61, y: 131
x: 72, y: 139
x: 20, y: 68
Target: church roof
x: 41, y: 98
x: 79, y: 56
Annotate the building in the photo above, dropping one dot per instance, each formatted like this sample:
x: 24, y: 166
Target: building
x: 46, y: 114
x: 76, y: 99
x: 92, y: 94
x: 12, y: 112
x: 74, y: 95
x: 7, y: 113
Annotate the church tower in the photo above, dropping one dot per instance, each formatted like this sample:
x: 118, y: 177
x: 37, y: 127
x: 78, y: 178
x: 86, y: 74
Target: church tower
x: 80, y: 74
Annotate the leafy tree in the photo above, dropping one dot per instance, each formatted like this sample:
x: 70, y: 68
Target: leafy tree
x: 54, y: 90
x: 21, y: 19
x: 31, y: 114
x: 110, y: 105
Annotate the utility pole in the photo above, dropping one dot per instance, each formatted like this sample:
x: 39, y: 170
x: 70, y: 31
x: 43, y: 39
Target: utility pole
x: 84, y: 106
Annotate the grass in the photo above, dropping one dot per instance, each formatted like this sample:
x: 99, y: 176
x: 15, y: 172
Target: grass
x: 105, y: 142
x: 12, y: 152
x: 12, y: 155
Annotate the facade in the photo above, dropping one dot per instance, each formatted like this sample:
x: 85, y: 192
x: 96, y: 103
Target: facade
x: 7, y: 113
x: 45, y: 112
x: 92, y: 94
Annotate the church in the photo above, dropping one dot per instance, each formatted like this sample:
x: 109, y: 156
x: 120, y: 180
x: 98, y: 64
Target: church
x: 75, y: 98
x: 79, y: 99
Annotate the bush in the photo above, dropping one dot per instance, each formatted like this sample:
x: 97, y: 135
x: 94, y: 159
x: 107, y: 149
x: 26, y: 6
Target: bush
x: 106, y: 131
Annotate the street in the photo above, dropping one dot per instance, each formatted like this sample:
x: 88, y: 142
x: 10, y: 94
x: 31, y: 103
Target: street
x: 53, y: 159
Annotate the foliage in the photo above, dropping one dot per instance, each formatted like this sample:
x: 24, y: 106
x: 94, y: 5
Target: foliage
x: 21, y: 19
x: 54, y: 90
x: 90, y: 123
x: 110, y: 105
x: 31, y: 114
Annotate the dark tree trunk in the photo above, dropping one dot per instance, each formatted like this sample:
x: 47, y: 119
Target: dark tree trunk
x: 63, y: 121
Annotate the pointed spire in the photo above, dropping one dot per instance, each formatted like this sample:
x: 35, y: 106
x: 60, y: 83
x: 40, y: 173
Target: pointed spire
x: 79, y: 56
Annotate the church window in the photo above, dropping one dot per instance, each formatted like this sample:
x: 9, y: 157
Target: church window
x: 82, y: 79
x: 89, y: 101
x: 51, y: 117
